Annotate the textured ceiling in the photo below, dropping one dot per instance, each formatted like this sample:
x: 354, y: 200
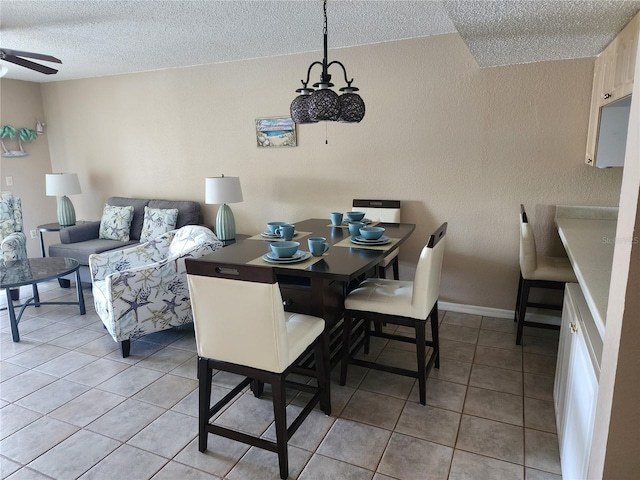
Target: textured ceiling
x: 108, y: 37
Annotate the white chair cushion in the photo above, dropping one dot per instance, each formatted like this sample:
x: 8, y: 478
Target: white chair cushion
x: 554, y: 269
x: 302, y: 330
x: 390, y: 297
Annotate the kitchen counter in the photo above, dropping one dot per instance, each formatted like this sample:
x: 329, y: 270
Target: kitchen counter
x: 588, y: 235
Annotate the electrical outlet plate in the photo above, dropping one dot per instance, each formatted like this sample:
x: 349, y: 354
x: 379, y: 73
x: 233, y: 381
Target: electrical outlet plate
x: 34, y: 234
x: 9, y: 181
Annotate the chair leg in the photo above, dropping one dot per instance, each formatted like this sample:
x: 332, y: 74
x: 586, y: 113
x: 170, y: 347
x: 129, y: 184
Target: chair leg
x: 125, y: 348
x: 515, y: 310
x: 435, y: 335
x: 346, y: 346
x: 396, y: 269
x: 421, y: 353
x: 204, y: 400
x: 323, y: 371
x: 257, y: 387
x: 522, y: 310
x: 280, y: 413
x: 367, y: 333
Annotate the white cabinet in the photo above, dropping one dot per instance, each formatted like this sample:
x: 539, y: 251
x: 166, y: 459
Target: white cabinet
x: 612, y: 80
x: 576, y: 386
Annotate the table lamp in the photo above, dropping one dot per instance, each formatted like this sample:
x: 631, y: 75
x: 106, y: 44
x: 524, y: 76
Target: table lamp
x: 224, y: 190
x: 60, y: 185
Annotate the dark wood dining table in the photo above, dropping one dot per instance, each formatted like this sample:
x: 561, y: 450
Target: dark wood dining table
x: 320, y: 288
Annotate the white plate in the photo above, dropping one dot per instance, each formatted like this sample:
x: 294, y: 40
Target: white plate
x: 362, y: 241
x: 275, y: 235
x: 366, y: 221
x: 299, y: 256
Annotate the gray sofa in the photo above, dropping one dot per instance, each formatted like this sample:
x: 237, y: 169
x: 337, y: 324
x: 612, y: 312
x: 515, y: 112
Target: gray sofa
x: 82, y: 240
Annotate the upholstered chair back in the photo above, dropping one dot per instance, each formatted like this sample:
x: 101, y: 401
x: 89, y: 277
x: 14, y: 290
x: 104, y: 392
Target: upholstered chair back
x: 10, y: 214
x: 387, y: 211
x: 188, y: 236
x: 426, y: 283
x: 528, y: 256
x: 241, y: 321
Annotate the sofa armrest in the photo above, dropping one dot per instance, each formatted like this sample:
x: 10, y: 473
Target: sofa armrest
x: 80, y: 233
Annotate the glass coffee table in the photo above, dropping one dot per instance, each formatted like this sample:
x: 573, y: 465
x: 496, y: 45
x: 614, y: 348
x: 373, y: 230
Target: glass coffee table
x: 18, y: 273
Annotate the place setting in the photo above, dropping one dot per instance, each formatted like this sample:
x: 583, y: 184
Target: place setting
x: 342, y: 220
x: 279, y: 231
x: 288, y: 253
x: 366, y: 236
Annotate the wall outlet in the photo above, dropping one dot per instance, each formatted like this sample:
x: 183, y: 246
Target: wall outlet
x: 9, y: 181
x: 34, y: 234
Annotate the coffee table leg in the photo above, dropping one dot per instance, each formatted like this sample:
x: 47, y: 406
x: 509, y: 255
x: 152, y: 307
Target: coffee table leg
x: 12, y: 317
x: 80, y: 294
x: 36, y: 295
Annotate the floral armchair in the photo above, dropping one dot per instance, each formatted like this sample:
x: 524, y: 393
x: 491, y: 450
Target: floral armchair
x: 13, y: 244
x: 143, y: 289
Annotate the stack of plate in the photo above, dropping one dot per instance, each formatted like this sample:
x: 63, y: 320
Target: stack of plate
x: 299, y: 256
x: 360, y: 240
x: 274, y: 236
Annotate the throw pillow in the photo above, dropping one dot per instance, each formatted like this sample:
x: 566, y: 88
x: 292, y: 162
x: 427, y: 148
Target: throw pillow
x: 157, y: 221
x: 116, y: 223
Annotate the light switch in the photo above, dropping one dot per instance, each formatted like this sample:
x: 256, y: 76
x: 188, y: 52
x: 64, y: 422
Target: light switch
x: 9, y: 181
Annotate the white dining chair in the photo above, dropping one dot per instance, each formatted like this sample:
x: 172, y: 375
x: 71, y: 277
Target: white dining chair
x: 405, y: 303
x: 387, y: 211
x: 537, y: 271
x: 241, y: 327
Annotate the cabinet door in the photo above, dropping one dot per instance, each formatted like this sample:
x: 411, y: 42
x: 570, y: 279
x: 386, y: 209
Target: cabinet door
x: 625, y: 61
x: 579, y: 408
x: 594, y: 112
x: 562, y: 364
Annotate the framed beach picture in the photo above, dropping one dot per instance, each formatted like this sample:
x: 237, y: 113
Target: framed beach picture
x: 275, y: 132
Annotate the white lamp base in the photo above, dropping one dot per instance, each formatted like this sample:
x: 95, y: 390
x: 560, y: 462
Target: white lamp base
x: 225, y: 223
x: 66, y: 212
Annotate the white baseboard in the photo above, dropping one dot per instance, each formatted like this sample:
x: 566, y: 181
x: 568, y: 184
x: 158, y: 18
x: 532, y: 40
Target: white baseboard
x: 533, y: 314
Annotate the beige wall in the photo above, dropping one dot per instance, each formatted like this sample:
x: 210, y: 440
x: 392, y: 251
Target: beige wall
x: 21, y: 106
x: 455, y: 143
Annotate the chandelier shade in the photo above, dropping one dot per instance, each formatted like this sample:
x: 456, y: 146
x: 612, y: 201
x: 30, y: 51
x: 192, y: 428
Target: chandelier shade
x: 324, y: 104
x: 300, y: 109
x: 351, y: 108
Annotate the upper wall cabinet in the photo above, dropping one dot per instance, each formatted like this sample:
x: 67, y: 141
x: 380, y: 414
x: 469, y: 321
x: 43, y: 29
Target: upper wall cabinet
x: 612, y: 80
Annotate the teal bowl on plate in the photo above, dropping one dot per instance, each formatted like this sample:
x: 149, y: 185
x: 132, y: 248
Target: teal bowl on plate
x: 354, y: 216
x: 284, y: 249
x: 371, y: 233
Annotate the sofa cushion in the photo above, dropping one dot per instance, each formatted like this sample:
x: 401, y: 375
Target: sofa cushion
x: 157, y: 221
x: 188, y: 210
x: 116, y: 223
x: 81, y: 250
x: 138, y: 205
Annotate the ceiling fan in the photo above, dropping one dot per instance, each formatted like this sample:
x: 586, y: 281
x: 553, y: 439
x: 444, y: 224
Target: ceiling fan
x: 13, y: 56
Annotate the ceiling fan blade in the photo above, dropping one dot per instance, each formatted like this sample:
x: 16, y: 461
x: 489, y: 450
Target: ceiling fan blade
x: 29, y: 64
x: 37, y: 56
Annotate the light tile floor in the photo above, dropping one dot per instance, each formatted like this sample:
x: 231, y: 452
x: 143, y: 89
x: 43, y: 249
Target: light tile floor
x: 71, y: 407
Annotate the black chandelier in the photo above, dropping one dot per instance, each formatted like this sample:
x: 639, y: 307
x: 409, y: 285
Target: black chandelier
x: 312, y: 105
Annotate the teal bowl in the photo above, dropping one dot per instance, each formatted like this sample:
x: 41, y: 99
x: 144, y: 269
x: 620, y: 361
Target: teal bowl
x: 354, y: 216
x: 284, y: 249
x: 371, y: 233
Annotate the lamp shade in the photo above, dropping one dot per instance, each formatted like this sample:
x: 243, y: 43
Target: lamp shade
x: 223, y: 190
x: 59, y: 184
